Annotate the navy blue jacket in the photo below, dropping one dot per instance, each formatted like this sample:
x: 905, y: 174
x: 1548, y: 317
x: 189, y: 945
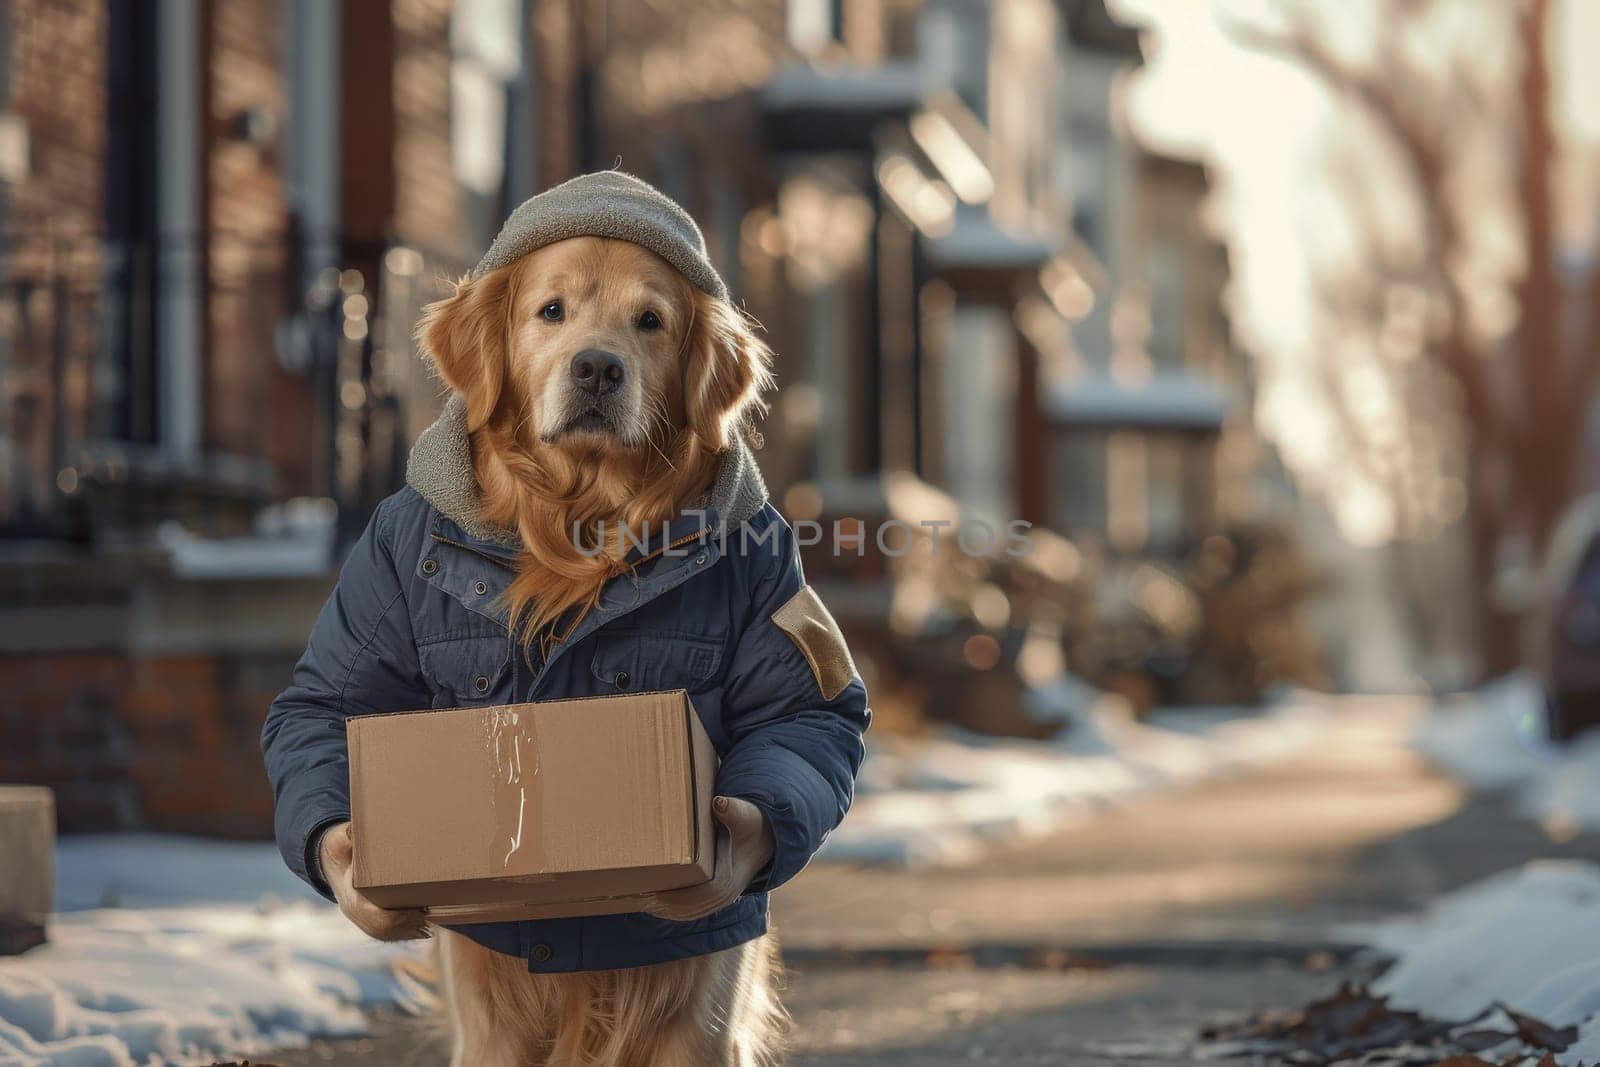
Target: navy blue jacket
x: 413, y: 623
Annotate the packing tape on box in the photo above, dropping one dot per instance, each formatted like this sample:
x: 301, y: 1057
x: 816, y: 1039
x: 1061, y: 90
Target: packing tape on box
x: 518, y: 839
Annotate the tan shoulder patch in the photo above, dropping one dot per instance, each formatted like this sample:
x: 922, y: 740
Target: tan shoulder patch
x: 817, y: 636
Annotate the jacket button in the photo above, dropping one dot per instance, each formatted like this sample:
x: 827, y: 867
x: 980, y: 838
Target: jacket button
x: 482, y: 684
x: 700, y: 559
x: 623, y: 679
x: 542, y: 953
x: 429, y: 566
x: 480, y: 587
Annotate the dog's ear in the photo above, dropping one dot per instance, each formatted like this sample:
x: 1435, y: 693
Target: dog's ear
x: 727, y: 372
x: 465, y: 336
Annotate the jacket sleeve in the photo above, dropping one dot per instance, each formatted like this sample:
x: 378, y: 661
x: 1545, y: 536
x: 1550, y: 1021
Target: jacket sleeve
x: 793, y: 752
x: 361, y: 658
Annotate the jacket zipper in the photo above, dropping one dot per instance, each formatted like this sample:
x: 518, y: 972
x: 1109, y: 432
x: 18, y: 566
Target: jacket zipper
x: 685, y: 539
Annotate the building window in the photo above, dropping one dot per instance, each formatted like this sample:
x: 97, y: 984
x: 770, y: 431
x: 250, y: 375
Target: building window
x: 814, y: 25
x: 1169, y: 312
x: 1079, y: 484
x: 131, y: 210
x: 311, y: 138
x: 827, y: 326
x: 489, y: 124
x: 980, y: 381
x: 153, y: 218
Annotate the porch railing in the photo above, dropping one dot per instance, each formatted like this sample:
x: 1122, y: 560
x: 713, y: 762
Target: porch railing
x: 310, y: 384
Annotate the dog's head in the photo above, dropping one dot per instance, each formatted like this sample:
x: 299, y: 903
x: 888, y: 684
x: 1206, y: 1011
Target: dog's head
x: 592, y: 343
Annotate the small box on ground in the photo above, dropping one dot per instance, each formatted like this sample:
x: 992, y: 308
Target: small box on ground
x: 27, y: 860
x: 560, y: 808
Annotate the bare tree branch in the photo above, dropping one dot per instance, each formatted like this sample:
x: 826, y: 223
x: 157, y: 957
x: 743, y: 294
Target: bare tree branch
x: 1417, y: 143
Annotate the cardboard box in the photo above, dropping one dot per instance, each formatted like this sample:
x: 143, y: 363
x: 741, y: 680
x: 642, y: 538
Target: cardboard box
x: 567, y: 807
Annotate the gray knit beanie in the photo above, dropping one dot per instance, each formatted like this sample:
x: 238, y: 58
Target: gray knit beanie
x: 608, y: 203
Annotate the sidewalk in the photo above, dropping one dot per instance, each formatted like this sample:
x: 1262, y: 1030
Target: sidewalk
x: 1114, y: 942
x: 1281, y: 853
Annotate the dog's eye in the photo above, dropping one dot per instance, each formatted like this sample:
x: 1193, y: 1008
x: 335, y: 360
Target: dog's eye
x: 649, y: 321
x: 552, y: 312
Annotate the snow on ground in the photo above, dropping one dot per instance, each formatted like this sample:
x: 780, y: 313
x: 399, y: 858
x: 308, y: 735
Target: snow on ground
x: 1494, y: 740
x: 941, y: 800
x: 188, y: 985
x: 195, y: 950
x: 1527, y: 938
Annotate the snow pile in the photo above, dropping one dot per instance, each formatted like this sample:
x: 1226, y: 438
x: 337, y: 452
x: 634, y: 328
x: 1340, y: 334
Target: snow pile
x: 940, y: 800
x: 1491, y: 739
x: 227, y: 954
x: 1494, y: 740
x: 186, y: 985
x: 1527, y: 939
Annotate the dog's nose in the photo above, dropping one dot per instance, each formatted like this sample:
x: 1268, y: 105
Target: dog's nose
x: 597, y: 371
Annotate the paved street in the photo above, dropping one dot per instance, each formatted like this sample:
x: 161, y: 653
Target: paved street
x: 1113, y: 941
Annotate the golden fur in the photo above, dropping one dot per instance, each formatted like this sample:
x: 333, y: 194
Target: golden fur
x: 692, y: 382
x: 718, y: 1010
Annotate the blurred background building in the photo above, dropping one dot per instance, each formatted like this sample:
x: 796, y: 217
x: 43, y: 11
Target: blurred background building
x: 219, y: 221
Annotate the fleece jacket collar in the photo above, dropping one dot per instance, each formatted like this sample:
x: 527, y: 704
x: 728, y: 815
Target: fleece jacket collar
x: 440, y: 468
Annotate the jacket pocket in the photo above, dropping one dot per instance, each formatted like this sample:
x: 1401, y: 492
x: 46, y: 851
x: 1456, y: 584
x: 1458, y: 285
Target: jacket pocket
x: 643, y: 661
x: 471, y: 669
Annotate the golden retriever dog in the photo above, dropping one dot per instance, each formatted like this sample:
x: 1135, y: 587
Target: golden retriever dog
x: 601, y: 386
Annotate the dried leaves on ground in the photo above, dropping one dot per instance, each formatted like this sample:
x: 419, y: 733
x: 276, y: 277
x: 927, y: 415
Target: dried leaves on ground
x: 1358, y: 1028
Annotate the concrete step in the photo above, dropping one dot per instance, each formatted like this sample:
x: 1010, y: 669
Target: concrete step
x: 27, y: 864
